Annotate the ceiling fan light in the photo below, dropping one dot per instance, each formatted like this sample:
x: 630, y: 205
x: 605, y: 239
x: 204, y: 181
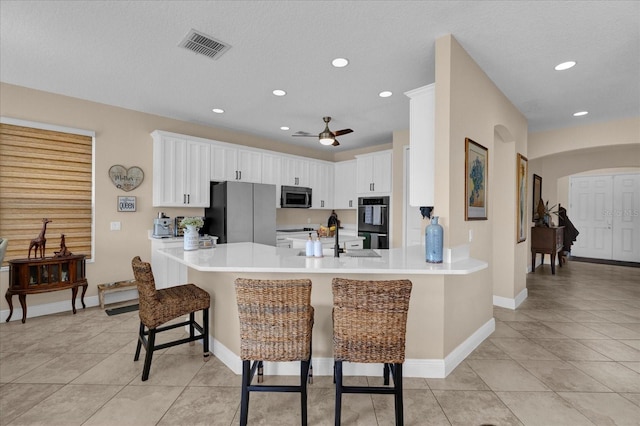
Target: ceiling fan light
x: 326, y: 140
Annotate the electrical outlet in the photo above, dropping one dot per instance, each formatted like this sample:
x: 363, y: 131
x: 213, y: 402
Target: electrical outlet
x: 308, y: 220
x: 470, y: 235
x: 115, y: 226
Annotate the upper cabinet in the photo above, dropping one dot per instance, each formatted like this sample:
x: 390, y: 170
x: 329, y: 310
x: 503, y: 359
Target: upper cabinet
x: 271, y: 171
x: 294, y: 171
x: 321, y: 182
x: 180, y: 171
x: 344, y: 193
x: 230, y: 163
x: 422, y: 146
x: 373, y: 173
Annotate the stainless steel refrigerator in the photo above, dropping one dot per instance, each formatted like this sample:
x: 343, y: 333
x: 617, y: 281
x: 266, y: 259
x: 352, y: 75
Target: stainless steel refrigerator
x: 242, y: 212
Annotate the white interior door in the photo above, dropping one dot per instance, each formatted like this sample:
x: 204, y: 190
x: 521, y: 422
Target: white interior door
x: 589, y: 211
x: 626, y: 217
x: 412, y: 217
x: 605, y: 210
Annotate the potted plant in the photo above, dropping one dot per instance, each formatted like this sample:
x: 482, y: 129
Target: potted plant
x: 544, y: 212
x: 194, y: 221
x: 191, y: 236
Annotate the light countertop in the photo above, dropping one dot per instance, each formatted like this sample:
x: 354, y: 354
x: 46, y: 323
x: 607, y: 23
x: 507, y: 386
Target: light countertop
x: 251, y: 257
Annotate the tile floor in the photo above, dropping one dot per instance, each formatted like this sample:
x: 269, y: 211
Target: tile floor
x: 570, y: 355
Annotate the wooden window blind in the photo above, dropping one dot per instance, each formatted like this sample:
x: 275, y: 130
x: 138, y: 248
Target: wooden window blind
x: 45, y: 174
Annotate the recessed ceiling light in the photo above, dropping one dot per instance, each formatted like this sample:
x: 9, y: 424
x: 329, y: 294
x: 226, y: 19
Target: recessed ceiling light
x: 218, y: 110
x: 284, y: 128
x: 565, y: 65
x: 340, y: 62
x: 279, y: 92
x: 580, y: 114
x: 385, y: 94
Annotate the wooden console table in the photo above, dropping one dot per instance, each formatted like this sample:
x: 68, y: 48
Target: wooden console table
x: 32, y: 276
x: 546, y: 240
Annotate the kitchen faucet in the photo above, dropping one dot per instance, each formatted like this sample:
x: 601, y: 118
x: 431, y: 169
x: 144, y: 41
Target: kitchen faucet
x: 333, y: 221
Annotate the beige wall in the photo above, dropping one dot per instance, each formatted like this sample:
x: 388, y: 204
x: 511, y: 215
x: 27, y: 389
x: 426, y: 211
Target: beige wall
x: 611, y: 133
x: 123, y: 137
x: 469, y: 105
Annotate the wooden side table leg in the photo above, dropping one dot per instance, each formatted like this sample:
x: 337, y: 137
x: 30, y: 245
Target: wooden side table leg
x: 74, y: 293
x: 533, y: 261
x: 9, y: 296
x: 101, y: 297
x: 84, y: 290
x: 23, y: 304
x: 553, y: 263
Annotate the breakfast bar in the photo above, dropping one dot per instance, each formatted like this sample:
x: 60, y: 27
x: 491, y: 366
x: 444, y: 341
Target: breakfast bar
x: 450, y: 311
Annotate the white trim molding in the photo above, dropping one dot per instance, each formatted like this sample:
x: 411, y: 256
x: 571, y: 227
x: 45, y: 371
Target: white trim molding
x: 505, y: 302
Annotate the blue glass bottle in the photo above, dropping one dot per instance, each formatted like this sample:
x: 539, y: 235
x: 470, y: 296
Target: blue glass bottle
x: 433, y: 241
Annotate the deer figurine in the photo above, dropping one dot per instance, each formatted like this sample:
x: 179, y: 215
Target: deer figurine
x: 40, y: 241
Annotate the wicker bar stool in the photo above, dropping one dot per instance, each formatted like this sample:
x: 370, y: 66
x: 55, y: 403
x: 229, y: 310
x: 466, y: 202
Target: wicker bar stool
x: 276, y: 319
x: 369, y: 326
x: 160, y: 306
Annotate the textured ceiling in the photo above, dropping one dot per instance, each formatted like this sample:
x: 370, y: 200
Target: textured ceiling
x: 125, y: 53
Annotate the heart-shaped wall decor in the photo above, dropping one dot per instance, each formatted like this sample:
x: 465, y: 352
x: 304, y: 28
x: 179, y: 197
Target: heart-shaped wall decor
x: 126, y: 179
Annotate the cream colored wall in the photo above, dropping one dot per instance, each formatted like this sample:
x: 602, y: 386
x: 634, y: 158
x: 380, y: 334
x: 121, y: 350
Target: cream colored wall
x: 611, y: 133
x: 400, y: 140
x: 123, y: 137
x: 468, y: 104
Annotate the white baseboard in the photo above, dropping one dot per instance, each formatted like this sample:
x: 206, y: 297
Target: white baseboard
x: 424, y: 368
x: 505, y: 302
x: 64, y: 306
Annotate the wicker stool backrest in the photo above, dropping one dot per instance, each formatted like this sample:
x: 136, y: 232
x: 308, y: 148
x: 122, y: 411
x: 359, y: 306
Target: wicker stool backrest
x: 146, y: 290
x: 276, y: 319
x: 370, y: 320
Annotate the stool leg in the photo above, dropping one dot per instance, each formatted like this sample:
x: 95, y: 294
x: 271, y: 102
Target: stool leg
x: 139, y: 345
x: 205, y: 339
x: 304, y: 376
x: 260, y: 372
x: 244, y: 398
x: 385, y: 374
x: 147, y: 359
x: 337, y: 367
x: 397, y: 381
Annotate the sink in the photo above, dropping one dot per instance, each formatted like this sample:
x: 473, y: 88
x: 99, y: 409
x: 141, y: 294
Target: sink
x: 361, y: 253
x: 349, y: 253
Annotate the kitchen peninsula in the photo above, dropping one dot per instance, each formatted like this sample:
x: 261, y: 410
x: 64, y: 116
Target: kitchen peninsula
x: 450, y: 313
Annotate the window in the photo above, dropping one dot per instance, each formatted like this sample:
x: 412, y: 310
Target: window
x: 45, y: 172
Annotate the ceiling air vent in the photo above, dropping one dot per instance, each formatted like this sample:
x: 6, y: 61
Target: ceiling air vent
x: 204, y: 44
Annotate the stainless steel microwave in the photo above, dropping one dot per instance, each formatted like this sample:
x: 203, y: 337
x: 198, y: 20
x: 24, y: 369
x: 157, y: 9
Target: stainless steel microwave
x: 295, y: 197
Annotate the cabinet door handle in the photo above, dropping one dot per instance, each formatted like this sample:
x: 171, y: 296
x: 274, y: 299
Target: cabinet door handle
x: 350, y: 203
x: 188, y: 198
x: 184, y: 198
x: 240, y: 174
x: 321, y: 203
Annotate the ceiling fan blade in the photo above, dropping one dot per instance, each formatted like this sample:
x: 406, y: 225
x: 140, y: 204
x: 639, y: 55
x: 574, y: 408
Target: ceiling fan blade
x: 307, y: 136
x: 335, y: 142
x: 343, y: 132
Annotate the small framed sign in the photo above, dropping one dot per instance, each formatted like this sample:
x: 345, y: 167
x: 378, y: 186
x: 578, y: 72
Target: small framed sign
x: 126, y: 204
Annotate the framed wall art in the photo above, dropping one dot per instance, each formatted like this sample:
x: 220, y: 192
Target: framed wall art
x: 126, y: 204
x: 476, y: 180
x: 521, y: 197
x: 537, y: 195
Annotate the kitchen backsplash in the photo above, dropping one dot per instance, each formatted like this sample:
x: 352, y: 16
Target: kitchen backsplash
x: 286, y: 217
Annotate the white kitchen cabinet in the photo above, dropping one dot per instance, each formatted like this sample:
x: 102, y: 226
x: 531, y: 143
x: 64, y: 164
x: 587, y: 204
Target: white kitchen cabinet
x: 373, y: 173
x: 271, y: 171
x: 236, y: 164
x: 180, y: 171
x: 422, y: 146
x: 294, y: 172
x: 344, y: 193
x: 321, y: 182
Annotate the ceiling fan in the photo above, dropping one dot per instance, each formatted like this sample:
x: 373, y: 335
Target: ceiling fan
x: 327, y: 137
